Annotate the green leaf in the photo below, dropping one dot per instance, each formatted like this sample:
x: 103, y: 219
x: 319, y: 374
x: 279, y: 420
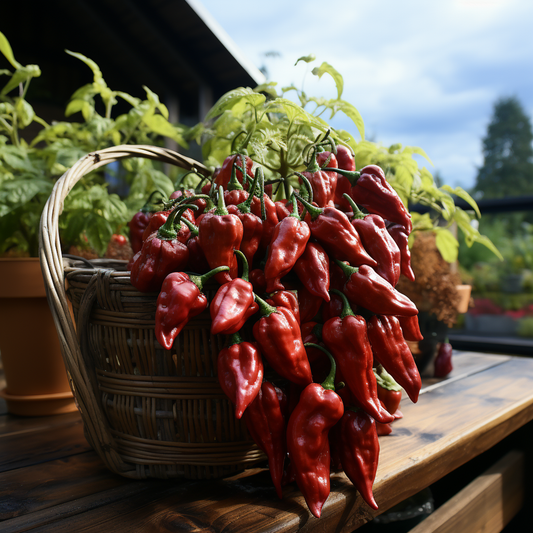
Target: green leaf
x: 132, y: 100
x: 232, y: 98
x: 21, y: 75
x: 461, y: 193
x: 25, y: 112
x: 267, y: 88
x: 4, y: 71
x: 6, y: 50
x: 447, y: 244
x: 326, y: 68
x: 160, y: 125
x: 153, y: 98
x: 15, y: 193
x: 351, y: 112
x: 99, y: 232
x: 306, y: 59
x: 97, y: 73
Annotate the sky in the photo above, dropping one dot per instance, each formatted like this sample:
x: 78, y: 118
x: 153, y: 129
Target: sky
x: 421, y: 73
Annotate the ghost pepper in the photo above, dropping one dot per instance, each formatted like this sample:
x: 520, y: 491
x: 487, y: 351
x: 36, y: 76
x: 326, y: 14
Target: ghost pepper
x: 345, y: 161
x: 140, y: 221
x: 322, y: 180
x: 312, y: 269
x: 401, y: 238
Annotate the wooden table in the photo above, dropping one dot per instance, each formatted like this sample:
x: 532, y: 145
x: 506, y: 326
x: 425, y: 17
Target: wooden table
x: 51, y: 481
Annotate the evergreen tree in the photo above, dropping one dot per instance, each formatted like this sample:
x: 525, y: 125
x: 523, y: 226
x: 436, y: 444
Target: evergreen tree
x: 508, y: 155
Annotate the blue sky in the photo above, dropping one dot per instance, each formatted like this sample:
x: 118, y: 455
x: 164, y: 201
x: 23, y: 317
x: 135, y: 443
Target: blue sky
x: 421, y: 73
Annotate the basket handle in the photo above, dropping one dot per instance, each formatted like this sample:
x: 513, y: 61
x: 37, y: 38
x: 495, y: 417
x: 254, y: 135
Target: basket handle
x: 96, y: 427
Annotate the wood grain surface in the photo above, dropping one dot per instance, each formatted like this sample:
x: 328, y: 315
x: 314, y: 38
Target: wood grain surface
x: 50, y: 480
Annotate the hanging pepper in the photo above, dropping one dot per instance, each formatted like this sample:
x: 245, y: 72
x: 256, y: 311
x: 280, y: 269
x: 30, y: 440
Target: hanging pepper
x: 233, y: 303
x: 289, y: 240
x: 278, y: 335
x: 369, y: 290
x: 389, y: 392
x: 267, y: 427
x: 318, y: 410
x: 346, y: 338
x: 219, y: 234
x: 401, y: 238
x: 223, y: 177
x: 161, y: 254
x: 443, y: 361
x: 334, y: 231
x: 312, y: 269
x: 288, y: 299
x: 140, y: 221
x: 240, y: 372
x: 371, y: 189
x: 251, y: 223
x: 391, y: 351
x: 378, y: 243
x: 358, y: 446
x: 180, y: 299
x: 323, y: 181
x: 345, y: 161
x: 410, y: 328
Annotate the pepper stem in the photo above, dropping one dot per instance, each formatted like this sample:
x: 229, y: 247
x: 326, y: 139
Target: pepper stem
x: 352, y: 175
x: 346, y: 308
x: 314, y: 211
x: 294, y: 212
x: 262, y: 192
x: 329, y: 382
x: 347, y: 269
x: 244, y: 207
x: 385, y: 380
x: 199, y: 281
x: 244, y: 261
x: 234, y: 182
x: 221, y: 206
x: 191, y: 226
x: 265, y: 310
x: 357, y: 213
x: 234, y: 338
x: 167, y: 231
x: 150, y: 206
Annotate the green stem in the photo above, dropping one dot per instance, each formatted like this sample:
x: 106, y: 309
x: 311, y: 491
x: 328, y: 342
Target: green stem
x: 385, y: 380
x: 329, y: 382
x: 199, y: 281
x: 352, y: 175
x: 150, y: 206
x: 167, y: 231
x: 245, y: 206
x: 234, y: 338
x: 314, y: 211
x: 265, y: 310
x: 191, y: 226
x: 346, y: 309
x: 357, y: 213
x: 244, y: 261
x: 221, y: 206
x: 233, y: 183
x: 347, y: 269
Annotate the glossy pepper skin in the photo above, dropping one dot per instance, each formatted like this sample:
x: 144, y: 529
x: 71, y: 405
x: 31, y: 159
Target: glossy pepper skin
x: 223, y: 176
x: 278, y: 335
x: 358, y: 447
x: 240, y: 372
x: 267, y: 426
x: 309, y: 304
x: 389, y: 392
x: 323, y: 182
x: 161, y: 254
x: 179, y: 300
x: 401, y: 238
x: 233, y: 303
x: 410, y: 328
x: 219, y: 234
x: 371, y: 189
x: 443, y: 362
x: 345, y: 161
x: 378, y: 243
x: 391, y: 351
x: 141, y: 219
x: 288, y: 299
x: 312, y: 269
x: 265, y: 208
x: 289, y: 241
x: 317, y: 411
x: 346, y: 338
x: 334, y: 231
x: 369, y: 290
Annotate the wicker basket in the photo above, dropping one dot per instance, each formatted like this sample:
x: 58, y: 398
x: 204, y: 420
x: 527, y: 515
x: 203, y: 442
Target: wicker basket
x: 147, y: 412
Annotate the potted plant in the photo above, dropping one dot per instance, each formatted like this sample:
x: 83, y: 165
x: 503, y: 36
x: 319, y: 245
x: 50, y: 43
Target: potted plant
x: 35, y: 376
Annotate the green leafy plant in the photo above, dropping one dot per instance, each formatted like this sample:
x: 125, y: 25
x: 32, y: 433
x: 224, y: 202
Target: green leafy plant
x: 275, y: 131
x: 29, y: 167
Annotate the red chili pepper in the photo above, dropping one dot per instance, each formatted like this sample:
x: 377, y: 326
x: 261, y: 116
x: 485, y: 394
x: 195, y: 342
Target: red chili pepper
x: 309, y: 304
x: 323, y: 182
x: 265, y: 208
x: 334, y: 231
x: 389, y: 392
x: 197, y: 261
x: 312, y: 269
x: 358, y: 446
x: 267, y: 427
x: 240, y: 372
x: 179, y: 300
x: 288, y: 299
x: 391, y: 351
x: 278, y: 335
x: 333, y: 308
x: 199, y: 201
x: 220, y: 233
x: 371, y: 189
x: 369, y: 290
x: 443, y: 362
x: 401, y: 238
x: 289, y: 240
x: 257, y: 278
x: 378, y: 243
x: 233, y: 303
x: 231, y: 163
x: 140, y: 222
x: 318, y: 410
x: 161, y: 254
x: 346, y: 338
x: 410, y: 328
x: 346, y: 161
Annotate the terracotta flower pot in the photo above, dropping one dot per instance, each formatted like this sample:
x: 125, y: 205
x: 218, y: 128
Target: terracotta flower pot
x: 36, y: 380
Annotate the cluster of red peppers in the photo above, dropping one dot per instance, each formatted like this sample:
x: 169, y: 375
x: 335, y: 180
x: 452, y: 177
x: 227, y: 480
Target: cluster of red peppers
x: 316, y: 353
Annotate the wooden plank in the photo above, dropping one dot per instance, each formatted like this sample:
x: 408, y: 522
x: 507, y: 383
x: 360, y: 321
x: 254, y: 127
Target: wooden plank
x: 11, y: 425
x: 484, y: 506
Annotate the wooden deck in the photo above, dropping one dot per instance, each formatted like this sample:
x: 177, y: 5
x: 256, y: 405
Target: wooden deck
x: 51, y: 481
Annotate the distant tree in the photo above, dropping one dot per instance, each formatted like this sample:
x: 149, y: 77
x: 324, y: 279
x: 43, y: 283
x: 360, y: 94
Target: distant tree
x: 507, y: 152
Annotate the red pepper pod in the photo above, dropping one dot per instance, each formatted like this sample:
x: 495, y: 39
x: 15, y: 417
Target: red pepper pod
x: 389, y: 392
x: 141, y: 219
x: 323, y: 182
x: 309, y: 304
x: 231, y: 163
x: 410, y: 328
x: 358, y: 445
x: 317, y: 411
x: 289, y: 241
x: 240, y: 372
x: 346, y: 337
x: 365, y: 287
x: 233, y: 303
x: 278, y: 335
x: 391, y: 351
x: 345, y: 161
x: 401, y: 238
x: 219, y: 234
x: 287, y: 299
x: 312, y: 269
x: 443, y: 361
x: 179, y: 300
